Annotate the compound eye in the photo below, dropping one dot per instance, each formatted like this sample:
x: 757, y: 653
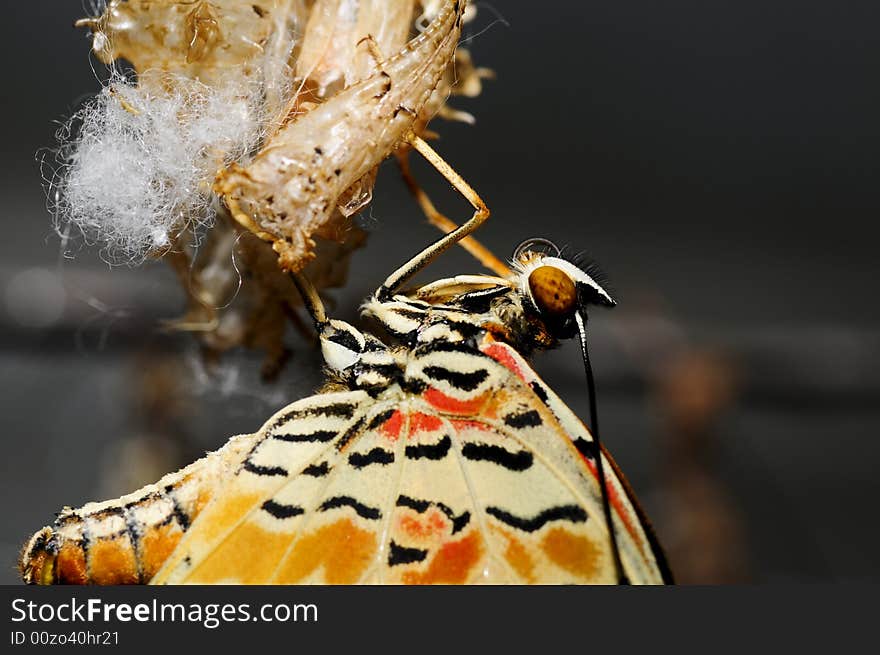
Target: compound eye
x: 553, y: 291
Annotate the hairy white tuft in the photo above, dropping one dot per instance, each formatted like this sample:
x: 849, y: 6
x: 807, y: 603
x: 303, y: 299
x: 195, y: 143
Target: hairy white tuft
x: 137, y: 162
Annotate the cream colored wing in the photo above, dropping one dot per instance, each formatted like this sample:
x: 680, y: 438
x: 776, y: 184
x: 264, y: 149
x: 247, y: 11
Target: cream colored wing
x: 480, y: 475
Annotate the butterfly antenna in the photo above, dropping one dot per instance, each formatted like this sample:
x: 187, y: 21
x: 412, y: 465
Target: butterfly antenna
x: 581, y: 317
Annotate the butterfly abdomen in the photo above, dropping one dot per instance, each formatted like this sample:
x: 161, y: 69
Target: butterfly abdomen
x: 126, y: 540
x: 115, y: 545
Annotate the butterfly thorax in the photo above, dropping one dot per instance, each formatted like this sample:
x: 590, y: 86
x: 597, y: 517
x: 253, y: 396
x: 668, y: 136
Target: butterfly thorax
x: 460, y: 309
x: 453, y: 316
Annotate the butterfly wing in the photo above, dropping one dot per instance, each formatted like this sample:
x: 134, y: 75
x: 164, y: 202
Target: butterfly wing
x: 532, y: 414
x: 477, y: 473
x: 246, y: 533
x: 517, y: 498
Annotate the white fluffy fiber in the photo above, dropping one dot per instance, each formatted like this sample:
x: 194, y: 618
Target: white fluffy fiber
x: 137, y: 164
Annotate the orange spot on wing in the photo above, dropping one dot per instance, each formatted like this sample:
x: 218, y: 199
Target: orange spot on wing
x: 112, y: 561
x: 445, y: 403
x: 517, y: 555
x: 498, y: 404
x: 574, y: 553
x: 225, y: 513
x: 391, y: 428
x: 343, y: 549
x: 419, y: 422
x: 245, y: 553
x: 248, y: 555
x: 452, y: 564
x: 420, y: 526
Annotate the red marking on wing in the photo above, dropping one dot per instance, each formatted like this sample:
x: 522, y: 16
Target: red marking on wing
x: 461, y: 425
x: 452, y: 564
x: 502, y: 354
x: 614, y: 499
x: 419, y: 422
x: 432, y: 523
x: 446, y: 403
x: 391, y: 428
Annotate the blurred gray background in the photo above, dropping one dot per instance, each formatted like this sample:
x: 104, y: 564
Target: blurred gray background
x: 718, y: 158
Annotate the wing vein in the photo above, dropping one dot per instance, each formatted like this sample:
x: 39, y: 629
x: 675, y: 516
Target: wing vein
x: 216, y: 544
x: 479, y: 510
x: 390, y: 505
x: 338, y: 464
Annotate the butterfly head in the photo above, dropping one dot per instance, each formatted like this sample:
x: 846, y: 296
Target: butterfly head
x: 557, y: 289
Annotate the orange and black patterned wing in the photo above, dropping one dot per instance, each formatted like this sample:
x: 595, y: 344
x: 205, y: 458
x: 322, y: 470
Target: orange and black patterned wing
x: 308, y: 504
x: 532, y: 414
x: 499, y: 484
x: 476, y: 473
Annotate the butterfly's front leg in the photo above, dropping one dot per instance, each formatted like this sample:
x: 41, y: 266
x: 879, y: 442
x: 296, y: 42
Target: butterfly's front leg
x: 480, y: 252
x: 481, y: 213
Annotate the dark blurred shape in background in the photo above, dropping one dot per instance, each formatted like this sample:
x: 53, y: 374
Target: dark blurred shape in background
x: 720, y: 159
x: 704, y: 526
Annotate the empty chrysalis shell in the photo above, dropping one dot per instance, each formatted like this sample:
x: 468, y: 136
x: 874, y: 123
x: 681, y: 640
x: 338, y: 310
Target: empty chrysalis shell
x: 294, y: 184
x: 281, y: 108
x: 199, y: 40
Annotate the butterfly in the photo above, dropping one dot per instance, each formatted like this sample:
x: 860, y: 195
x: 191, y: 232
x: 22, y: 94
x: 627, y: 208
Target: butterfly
x: 434, y: 454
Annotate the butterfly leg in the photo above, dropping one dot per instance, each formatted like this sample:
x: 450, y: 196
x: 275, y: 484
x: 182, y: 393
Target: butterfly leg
x: 435, y: 218
x: 426, y: 256
x: 482, y: 254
